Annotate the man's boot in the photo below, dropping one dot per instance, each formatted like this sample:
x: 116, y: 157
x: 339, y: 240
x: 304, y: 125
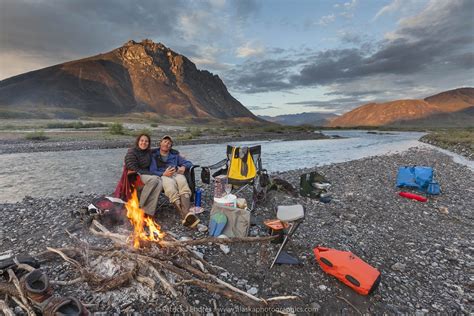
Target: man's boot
x: 179, y: 208
x: 185, y: 203
x: 190, y: 219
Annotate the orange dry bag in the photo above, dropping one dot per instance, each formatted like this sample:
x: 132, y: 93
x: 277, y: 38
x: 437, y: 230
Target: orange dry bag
x: 349, y: 269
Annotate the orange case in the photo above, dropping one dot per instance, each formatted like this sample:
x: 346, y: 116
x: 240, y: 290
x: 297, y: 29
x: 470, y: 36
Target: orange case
x: 348, y: 268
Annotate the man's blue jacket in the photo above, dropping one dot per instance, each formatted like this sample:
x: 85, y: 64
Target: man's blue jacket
x: 158, y: 166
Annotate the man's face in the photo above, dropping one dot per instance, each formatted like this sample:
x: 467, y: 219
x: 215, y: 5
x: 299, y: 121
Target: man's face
x: 165, y: 145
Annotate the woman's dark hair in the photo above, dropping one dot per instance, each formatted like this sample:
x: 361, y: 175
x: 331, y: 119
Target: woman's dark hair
x: 137, y: 140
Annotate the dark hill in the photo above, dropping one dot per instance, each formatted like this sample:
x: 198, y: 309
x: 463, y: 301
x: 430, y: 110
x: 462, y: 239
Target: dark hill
x: 137, y: 77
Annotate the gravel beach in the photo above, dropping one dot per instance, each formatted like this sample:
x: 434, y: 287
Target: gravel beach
x: 423, y: 250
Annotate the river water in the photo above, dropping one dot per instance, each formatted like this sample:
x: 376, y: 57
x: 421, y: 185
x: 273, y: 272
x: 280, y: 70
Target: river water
x: 52, y: 174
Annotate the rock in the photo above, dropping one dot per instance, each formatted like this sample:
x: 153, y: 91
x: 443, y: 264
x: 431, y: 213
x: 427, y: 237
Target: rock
x: 315, y: 307
x: 399, y: 267
x: 322, y: 287
x: 252, y: 291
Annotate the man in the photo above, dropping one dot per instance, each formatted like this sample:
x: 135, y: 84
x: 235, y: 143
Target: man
x: 171, y: 166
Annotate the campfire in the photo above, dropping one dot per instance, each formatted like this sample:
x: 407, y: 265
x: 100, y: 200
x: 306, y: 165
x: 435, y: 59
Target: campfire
x: 165, y: 261
x: 144, y: 228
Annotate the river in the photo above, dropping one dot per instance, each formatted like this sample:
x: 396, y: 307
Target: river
x: 52, y: 174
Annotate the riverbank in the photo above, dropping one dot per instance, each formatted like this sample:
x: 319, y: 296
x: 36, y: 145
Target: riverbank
x: 78, y: 141
x: 423, y: 250
x: 458, y: 141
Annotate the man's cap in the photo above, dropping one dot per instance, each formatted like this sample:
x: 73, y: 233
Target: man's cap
x: 167, y: 137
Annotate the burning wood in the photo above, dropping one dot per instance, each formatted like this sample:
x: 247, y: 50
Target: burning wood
x: 141, y: 223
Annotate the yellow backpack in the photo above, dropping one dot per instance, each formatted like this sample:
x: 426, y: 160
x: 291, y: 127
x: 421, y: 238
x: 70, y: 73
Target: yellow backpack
x: 241, y: 166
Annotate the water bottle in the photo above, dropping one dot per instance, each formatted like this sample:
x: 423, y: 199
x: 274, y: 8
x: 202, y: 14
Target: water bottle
x: 197, y: 199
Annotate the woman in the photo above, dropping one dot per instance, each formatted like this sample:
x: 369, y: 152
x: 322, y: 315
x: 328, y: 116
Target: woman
x: 171, y: 166
x: 138, y: 160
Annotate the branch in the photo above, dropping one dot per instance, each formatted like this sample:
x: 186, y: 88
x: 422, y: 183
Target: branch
x: 26, y: 305
x: 5, y: 309
x: 215, y: 240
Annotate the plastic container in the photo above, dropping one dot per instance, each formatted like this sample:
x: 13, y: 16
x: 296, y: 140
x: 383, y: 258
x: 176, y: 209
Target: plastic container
x: 228, y: 200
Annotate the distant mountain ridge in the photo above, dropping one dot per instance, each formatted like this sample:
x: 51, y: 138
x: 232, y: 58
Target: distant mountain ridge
x: 305, y: 118
x: 137, y: 77
x: 449, y: 108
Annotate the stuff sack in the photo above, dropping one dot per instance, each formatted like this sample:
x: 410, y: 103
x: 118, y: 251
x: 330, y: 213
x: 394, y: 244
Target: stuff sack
x: 433, y: 188
x: 349, y: 269
x: 238, y: 220
x: 417, y: 177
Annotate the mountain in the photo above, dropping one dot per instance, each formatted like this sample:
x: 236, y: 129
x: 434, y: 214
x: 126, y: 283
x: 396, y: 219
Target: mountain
x: 137, y: 77
x: 306, y: 118
x: 449, y: 108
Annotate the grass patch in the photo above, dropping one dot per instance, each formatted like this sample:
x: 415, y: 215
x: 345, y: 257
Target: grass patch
x: 452, y: 137
x: 117, y: 129
x: 36, y: 135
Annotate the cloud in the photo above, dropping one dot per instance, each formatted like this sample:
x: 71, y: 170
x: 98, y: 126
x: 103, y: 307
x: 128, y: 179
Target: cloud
x: 249, y: 49
x: 58, y: 31
x: 44, y: 32
x: 327, y: 19
x: 260, y: 108
x: 393, y: 6
x: 430, y: 49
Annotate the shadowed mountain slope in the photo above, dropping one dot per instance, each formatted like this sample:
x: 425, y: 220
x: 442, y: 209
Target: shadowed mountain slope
x: 137, y: 77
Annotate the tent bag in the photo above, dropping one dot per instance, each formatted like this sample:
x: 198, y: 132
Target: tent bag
x: 238, y: 220
x: 349, y: 269
x: 417, y: 177
x: 433, y: 188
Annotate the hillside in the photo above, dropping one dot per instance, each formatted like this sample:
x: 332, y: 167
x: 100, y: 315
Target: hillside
x: 449, y: 108
x: 137, y: 77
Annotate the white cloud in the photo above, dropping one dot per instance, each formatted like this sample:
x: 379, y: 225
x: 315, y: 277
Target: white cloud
x: 394, y: 6
x: 325, y: 20
x: 249, y: 49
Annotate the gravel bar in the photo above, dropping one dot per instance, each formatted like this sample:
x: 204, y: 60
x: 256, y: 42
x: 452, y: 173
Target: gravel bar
x: 423, y: 250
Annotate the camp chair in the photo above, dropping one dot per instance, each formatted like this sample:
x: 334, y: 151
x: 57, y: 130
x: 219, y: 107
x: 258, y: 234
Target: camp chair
x: 243, y: 167
x: 292, y: 215
x: 130, y: 181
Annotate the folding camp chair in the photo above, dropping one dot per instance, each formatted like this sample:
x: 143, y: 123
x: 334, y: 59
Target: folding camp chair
x: 131, y: 181
x: 243, y: 167
x: 292, y: 215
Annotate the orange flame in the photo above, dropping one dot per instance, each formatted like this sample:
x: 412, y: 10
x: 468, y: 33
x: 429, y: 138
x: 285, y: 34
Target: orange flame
x: 138, y: 220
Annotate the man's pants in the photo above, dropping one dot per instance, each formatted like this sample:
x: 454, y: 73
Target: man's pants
x: 175, y: 186
x: 150, y: 193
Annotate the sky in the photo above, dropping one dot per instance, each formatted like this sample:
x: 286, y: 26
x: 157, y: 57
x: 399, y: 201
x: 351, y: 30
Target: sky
x: 275, y: 56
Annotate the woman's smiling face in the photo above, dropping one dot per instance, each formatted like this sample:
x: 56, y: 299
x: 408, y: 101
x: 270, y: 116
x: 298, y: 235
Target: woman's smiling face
x: 143, y: 142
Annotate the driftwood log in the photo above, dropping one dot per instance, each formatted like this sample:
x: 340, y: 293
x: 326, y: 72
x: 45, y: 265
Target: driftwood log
x: 170, y: 263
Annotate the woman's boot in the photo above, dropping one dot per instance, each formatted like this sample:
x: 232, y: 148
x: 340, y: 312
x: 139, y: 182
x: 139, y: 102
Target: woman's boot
x: 36, y: 286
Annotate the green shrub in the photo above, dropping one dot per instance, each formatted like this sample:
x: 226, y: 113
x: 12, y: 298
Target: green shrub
x: 36, y: 135
x: 154, y: 125
x: 76, y: 125
x: 116, y: 129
